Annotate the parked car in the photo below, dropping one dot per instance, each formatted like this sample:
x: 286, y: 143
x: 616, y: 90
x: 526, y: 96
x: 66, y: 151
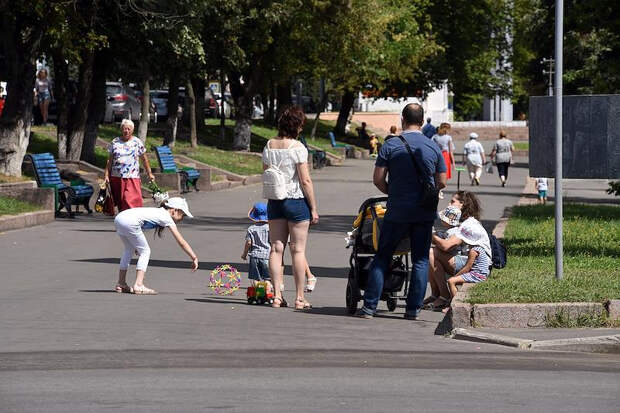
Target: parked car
x: 152, y: 112
x: 121, y: 103
x: 160, y: 99
x: 211, y: 104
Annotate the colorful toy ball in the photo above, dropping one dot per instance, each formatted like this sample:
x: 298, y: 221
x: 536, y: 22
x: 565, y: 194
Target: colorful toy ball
x: 225, y: 280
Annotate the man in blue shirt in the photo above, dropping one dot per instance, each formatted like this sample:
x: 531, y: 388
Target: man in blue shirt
x: 404, y: 216
x: 429, y: 130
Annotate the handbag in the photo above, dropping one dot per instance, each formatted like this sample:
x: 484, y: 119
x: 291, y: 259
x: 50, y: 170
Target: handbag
x: 489, y: 167
x: 430, y: 193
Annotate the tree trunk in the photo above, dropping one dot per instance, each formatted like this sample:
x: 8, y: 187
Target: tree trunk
x: 199, y: 85
x: 96, y: 108
x: 222, y: 107
x: 272, y: 103
x: 20, y: 44
x: 80, y: 111
x: 143, y: 128
x: 170, y: 135
x: 191, y: 105
x: 243, y: 113
x: 285, y: 98
x: 321, y: 108
x: 345, y: 108
x: 61, y: 94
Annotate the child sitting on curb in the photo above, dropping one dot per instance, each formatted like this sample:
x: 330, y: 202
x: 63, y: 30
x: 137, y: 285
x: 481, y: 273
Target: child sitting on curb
x: 257, y: 244
x: 477, y: 267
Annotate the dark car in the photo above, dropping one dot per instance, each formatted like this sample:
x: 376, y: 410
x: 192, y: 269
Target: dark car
x: 121, y: 103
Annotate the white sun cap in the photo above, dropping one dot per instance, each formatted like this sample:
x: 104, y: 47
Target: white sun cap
x: 473, y: 135
x: 179, y: 203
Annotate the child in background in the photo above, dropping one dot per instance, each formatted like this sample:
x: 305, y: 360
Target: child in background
x: 477, y: 267
x: 542, y: 185
x: 257, y: 244
x: 450, y: 218
x: 130, y: 225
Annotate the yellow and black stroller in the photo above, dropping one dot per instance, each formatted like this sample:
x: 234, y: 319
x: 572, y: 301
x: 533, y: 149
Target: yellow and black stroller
x: 365, y: 242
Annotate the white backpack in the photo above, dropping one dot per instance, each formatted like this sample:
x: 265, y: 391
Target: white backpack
x: 274, y: 181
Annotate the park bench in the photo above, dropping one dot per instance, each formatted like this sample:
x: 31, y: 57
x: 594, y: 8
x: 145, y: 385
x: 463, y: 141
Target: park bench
x: 348, y: 148
x: 47, y: 176
x: 319, y: 157
x: 189, y: 176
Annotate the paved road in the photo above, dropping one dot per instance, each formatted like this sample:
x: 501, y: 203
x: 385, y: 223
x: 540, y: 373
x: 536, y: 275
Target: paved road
x: 69, y: 344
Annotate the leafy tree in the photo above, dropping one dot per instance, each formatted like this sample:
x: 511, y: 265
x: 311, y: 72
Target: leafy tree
x: 22, y: 27
x: 591, y: 47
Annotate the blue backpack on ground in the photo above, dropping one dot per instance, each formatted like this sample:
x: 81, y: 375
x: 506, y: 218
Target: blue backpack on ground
x: 498, y: 252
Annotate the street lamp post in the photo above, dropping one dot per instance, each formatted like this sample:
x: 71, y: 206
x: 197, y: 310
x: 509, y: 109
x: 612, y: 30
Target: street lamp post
x: 549, y: 72
x: 559, y: 248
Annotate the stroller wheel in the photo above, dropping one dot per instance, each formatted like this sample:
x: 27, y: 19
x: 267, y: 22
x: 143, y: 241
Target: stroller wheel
x: 391, y: 303
x: 351, y: 298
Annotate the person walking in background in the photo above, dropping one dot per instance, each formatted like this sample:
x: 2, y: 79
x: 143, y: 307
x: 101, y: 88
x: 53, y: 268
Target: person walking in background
x: 43, y: 94
x: 502, y: 156
x: 474, y: 158
x: 405, y: 216
x: 446, y: 146
x: 257, y: 244
x: 542, y: 185
x: 292, y: 206
x: 428, y: 130
x: 122, y: 171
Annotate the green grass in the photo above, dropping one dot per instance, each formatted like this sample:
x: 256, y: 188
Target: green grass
x: 262, y: 132
x: 44, y: 140
x: 12, y: 206
x: 236, y: 162
x: 522, y: 146
x: 591, y: 257
x: 4, y: 179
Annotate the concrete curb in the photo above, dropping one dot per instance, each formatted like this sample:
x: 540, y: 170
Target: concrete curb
x: 27, y: 219
x: 599, y: 344
x: 480, y: 337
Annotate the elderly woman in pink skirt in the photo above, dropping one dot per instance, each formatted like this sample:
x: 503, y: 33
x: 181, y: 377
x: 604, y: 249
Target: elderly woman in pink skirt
x: 123, y: 168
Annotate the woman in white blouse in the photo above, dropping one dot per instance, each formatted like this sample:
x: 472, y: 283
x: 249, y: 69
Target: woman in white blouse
x: 293, y: 215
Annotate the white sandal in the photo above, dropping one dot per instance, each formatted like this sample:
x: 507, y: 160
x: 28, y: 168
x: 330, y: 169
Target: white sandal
x: 143, y: 290
x: 310, y: 284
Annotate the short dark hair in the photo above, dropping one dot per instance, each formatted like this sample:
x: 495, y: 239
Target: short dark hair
x: 291, y: 119
x: 413, y: 114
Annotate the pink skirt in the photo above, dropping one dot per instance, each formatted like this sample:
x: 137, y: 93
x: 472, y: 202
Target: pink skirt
x: 126, y: 192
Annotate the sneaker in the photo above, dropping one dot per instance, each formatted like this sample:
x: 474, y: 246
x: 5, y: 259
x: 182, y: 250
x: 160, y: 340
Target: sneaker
x: 410, y: 316
x: 363, y: 314
x: 478, y: 181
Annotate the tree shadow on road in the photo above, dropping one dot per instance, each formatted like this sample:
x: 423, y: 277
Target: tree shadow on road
x: 327, y: 272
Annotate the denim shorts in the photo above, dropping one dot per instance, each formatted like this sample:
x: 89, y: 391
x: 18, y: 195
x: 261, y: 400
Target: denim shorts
x: 41, y: 96
x: 295, y: 210
x: 459, y: 263
x: 259, y: 269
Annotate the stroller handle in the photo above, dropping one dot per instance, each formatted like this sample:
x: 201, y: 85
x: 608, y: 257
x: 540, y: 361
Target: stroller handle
x: 372, y: 200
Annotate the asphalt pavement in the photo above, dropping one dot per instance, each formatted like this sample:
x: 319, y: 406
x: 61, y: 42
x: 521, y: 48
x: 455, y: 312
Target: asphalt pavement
x: 70, y: 344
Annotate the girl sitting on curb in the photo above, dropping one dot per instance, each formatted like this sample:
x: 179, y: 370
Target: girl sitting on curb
x: 130, y: 224
x: 477, y: 267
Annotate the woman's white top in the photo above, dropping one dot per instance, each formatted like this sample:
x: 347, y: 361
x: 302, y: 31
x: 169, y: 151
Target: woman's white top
x: 473, y: 151
x: 444, y: 141
x: 135, y: 220
x: 286, y: 160
x: 503, y: 148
